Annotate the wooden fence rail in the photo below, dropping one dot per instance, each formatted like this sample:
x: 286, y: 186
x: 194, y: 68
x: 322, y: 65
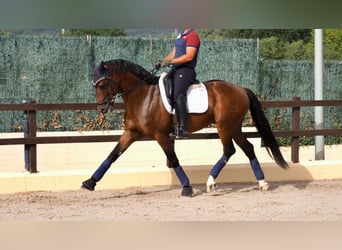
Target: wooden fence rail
x: 30, y: 139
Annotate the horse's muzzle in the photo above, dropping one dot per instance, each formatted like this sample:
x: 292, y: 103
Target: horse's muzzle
x: 106, y: 106
x: 102, y: 108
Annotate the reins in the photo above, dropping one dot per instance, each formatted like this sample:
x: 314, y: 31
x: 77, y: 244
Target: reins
x: 154, y: 71
x: 125, y: 93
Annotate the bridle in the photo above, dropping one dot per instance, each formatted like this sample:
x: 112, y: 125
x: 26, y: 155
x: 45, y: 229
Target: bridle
x: 120, y: 93
x: 109, y: 101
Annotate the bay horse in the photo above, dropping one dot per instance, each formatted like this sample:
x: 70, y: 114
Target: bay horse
x: 145, y: 116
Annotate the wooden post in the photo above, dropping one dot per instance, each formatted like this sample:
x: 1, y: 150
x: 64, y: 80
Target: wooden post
x: 295, y: 126
x: 26, y: 135
x: 30, y: 132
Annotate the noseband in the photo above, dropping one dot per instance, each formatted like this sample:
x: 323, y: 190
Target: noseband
x: 108, y: 101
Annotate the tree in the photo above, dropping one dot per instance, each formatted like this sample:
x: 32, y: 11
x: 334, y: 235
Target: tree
x: 272, y: 48
x: 286, y: 35
x: 332, y: 39
x: 292, y: 44
x: 4, y: 32
x: 96, y: 32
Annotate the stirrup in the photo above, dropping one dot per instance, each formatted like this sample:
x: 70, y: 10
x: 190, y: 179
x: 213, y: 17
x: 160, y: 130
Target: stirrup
x: 179, y: 133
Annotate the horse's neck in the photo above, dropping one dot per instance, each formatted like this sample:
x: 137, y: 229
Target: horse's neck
x: 139, y: 94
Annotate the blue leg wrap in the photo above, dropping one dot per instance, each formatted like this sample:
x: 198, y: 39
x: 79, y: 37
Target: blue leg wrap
x: 218, y: 166
x: 259, y: 174
x: 99, y: 173
x: 182, y: 176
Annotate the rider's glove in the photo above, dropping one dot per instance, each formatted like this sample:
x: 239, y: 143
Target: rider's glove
x: 162, y: 63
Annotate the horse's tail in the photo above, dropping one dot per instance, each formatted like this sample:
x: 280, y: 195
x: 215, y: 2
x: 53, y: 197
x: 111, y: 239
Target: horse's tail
x: 264, y: 129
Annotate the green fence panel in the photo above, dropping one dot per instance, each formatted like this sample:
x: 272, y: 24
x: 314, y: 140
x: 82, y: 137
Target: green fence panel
x: 53, y: 69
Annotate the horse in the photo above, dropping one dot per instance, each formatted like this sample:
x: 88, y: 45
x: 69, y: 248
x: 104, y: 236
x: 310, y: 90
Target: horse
x: 145, y: 117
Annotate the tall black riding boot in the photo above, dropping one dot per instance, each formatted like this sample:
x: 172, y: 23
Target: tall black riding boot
x: 182, y: 117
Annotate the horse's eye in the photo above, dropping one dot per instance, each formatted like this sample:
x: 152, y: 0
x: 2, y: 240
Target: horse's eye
x: 101, y: 85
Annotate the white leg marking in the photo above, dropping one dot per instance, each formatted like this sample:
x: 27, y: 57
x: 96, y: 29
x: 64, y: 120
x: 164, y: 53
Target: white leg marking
x: 211, y: 184
x: 263, y: 185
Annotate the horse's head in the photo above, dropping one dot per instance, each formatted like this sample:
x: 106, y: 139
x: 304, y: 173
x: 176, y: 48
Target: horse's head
x: 106, y: 88
x: 118, y: 76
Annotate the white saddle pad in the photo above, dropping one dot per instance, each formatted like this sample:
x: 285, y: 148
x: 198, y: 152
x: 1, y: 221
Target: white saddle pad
x: 197, y: 97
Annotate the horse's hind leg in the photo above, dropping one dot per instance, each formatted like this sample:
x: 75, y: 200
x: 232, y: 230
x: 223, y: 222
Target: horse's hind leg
x: 248, y: 149
x: 228, y: 151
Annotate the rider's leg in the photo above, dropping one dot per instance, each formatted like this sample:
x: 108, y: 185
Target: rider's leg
x: 182, y: 79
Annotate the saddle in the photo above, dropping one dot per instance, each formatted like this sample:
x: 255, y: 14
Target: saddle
x: 168, y: 85
x: 197, y: 96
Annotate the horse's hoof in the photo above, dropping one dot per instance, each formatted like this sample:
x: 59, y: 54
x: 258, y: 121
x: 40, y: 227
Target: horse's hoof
x: 89, y: 184
x: 187, y: 191
x: 211, y: 187
x: 264, y: 187
x: 211, y: 184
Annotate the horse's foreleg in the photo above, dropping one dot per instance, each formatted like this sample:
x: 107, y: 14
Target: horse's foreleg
x: 228, y: 152
x: 102, y: 169
x: 184, y: 180
x: 125, y: 141
x: 105, y: 165
x: 167, y: 147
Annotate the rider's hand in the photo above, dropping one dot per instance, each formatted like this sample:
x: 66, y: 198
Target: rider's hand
x: 165, y: 63
x: 162, y: 63
x: 157, y: 66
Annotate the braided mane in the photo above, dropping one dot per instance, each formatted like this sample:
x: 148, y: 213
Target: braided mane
x: 126, y: 66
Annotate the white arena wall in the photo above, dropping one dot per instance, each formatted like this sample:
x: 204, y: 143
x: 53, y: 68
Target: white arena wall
x: 65, y: 166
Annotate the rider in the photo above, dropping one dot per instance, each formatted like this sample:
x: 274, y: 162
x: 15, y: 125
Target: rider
x: 183, y: 59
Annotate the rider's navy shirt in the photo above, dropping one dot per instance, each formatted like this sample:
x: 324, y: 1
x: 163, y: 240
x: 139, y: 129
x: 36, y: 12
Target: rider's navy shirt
x: 188, y: 39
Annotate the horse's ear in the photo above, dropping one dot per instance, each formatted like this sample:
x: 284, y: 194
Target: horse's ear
x: 105, y: 65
